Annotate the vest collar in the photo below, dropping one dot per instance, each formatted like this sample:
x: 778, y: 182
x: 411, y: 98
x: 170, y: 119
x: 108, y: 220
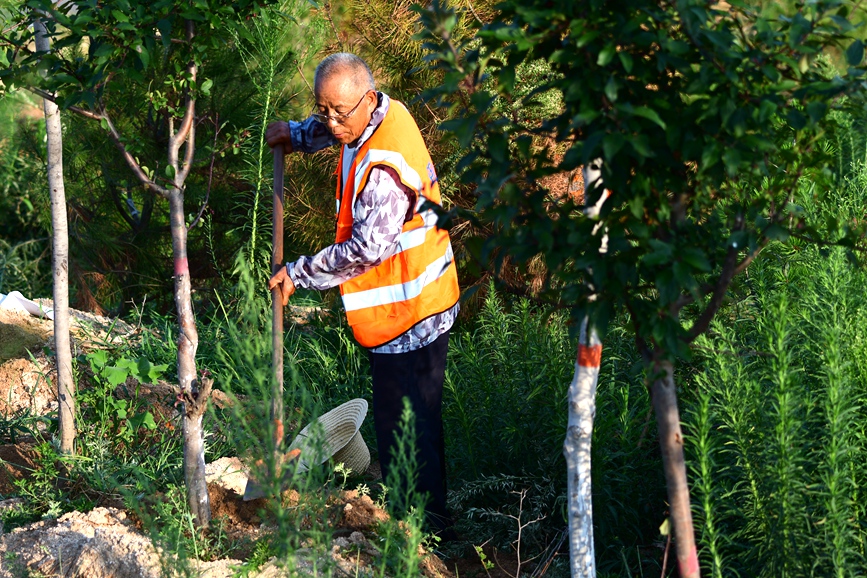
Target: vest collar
x: 383, y: 102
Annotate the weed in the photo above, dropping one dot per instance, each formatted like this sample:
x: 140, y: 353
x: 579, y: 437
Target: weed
x: 402, y: 536
x: 483, y: 558
x: 20, y: 423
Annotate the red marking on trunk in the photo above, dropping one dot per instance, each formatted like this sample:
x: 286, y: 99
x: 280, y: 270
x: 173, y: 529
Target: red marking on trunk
x: 182, y: 267
x: 278, y: 431
x: 688, y: 567
x: 589, y: 356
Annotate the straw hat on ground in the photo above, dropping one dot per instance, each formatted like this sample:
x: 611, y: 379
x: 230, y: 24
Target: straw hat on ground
x: 336, y: 437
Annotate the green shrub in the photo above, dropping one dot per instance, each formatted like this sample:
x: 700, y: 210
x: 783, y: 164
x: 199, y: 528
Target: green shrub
x: 777, y: 438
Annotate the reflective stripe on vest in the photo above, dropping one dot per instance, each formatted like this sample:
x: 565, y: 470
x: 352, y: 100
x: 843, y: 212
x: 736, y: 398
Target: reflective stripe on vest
x: 419, y: 279
x: 402, y: 292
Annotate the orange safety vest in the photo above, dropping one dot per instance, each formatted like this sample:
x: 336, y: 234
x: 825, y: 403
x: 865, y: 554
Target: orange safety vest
x: 420, y: 279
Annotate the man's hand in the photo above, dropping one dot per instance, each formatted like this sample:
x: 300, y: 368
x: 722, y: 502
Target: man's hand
x: 283, y: 283
x: 278, y: 133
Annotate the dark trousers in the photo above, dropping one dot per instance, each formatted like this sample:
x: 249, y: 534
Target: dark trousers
x: 417, y: 375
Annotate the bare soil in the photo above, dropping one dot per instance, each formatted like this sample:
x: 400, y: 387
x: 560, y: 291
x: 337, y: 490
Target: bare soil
x: 16, y: 462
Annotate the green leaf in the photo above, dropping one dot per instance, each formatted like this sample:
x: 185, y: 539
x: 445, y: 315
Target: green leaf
x: 606, y: 55
x: 611, y: 145
x: 115, y: 375
x: 732, y: 160
x: 695, y: 258
x: 641, y: 145
x: 611, y: 88
x: 206, y: 87
x: 120, y: 16
x: 662, y: 253
x: 498, y: 146
x: 636, y: 206
x: 586, y: 38
x: 165, y: 28
x: 625, y: 60
x: 777, y: 233
x: 796, y: 120
x: 147, y: 372
x: 462, y: 128
x: 97, y: 359
x: 145, y: 420
x: 506, y: 79
x: 103, y: 49
x: 855, y: 53
x: 145, y: 57
x: 816, y: 111
x: 649, y: 114
x: 170, y: 172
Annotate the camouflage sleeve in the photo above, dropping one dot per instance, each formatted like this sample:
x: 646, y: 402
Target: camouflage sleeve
x: 309, y: 136
x: 380, y: 212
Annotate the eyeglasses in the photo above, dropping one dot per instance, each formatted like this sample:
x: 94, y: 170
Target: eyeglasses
x: 340, y: 117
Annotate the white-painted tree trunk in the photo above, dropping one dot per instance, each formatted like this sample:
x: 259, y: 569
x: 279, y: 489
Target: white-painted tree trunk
x: 582, y: 412
x: 60, y: 262
x: 576, y: 448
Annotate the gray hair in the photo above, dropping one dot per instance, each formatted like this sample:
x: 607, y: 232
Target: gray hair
x: 345, y: 62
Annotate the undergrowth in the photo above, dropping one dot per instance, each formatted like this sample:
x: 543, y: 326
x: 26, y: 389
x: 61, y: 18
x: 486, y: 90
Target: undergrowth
x: 505, y: 421
x: 778, y: 446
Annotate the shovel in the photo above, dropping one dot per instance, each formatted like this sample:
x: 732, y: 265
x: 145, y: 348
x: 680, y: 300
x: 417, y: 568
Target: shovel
x: 254, y: 489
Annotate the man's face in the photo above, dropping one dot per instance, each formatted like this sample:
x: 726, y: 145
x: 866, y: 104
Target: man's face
x: 338, y: 95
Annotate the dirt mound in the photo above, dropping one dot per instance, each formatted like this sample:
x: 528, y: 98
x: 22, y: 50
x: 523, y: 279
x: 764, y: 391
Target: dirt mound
x: 92, y: 330
x: 20, y: 333
x: 27, y: 374
x: 99, y: 544
x: 25, y: 371
x: 360, y: 513
x: 228, y: 504
x: 229, y: 473
x: 27, y: 386
x: 105, y: 544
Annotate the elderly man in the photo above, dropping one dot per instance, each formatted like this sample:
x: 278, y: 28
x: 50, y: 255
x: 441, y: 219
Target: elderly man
x: 395, y: 268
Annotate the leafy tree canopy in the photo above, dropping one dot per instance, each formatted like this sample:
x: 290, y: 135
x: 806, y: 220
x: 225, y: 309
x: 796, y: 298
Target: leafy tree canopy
x: 92, y: 39
x: 702, y: 117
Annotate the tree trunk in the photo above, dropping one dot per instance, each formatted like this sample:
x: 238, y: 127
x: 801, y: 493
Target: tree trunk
x: 60, y: 261
x: 664, y: 397
x: 576, y: 449
x: 188, y: 342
